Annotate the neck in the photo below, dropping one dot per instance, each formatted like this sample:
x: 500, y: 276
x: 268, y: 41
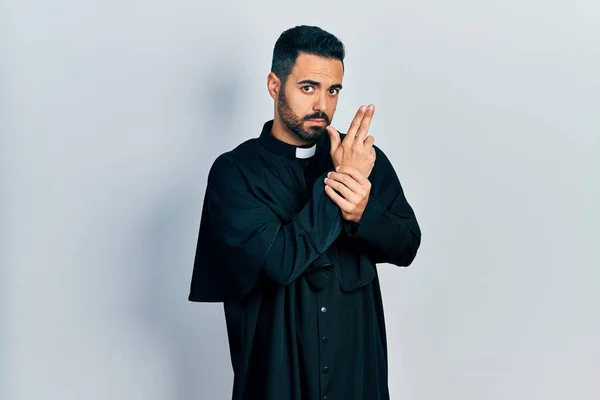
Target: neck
x: 281, y: 132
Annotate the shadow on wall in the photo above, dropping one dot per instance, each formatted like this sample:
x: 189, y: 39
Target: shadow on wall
x: 193, y: 334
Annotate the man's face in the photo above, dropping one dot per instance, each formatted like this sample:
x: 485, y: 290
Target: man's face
x: 307, y: 102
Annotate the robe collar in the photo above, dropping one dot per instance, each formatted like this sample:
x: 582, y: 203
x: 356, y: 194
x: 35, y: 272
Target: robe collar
x: 286, y: 149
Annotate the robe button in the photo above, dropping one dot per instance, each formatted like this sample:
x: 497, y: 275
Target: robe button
x: 325, y: 339
x: 325, y: 397
x: 326, y: 370
x: 323, y: 310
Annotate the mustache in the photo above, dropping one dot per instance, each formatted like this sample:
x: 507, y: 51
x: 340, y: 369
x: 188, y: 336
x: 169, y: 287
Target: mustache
x: 318, y: 115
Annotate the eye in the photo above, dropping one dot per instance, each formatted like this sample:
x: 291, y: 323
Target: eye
x: 334, y: 91
x: 307, y: 89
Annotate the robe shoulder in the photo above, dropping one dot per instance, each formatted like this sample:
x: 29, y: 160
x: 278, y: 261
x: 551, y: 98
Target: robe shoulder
x: 211, y: 281
x: 250, y: 153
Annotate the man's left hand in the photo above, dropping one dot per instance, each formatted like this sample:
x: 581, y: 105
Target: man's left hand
x: 354, y: 188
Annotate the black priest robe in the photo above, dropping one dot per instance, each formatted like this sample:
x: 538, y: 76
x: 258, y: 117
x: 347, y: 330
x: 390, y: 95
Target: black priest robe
x: 299, y: 284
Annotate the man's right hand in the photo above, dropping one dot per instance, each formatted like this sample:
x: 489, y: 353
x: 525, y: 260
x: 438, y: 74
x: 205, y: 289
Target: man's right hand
x: 356, y: 150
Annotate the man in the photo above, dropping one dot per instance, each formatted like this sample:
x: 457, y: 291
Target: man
x: 292, y: 227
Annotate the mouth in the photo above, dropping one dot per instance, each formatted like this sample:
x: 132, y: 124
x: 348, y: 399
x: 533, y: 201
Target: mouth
x: 318, y: 121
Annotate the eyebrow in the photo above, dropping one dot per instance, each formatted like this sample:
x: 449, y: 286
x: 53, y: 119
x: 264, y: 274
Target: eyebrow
x: 318, y: 84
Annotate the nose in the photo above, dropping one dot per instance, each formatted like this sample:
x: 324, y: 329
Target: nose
x: 321, y: 103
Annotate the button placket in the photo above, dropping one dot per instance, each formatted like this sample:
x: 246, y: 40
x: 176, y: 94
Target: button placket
x: 325, y: 370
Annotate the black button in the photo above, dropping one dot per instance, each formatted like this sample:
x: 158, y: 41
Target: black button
x: 325, y: 339
x: 323, y: 310
x: 326, y: 370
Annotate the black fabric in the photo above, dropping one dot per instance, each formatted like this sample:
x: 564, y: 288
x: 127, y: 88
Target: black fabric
x: 299, y: 284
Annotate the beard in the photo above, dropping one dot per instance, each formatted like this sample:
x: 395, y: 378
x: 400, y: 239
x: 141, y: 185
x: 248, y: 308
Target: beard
x: 296, y: 124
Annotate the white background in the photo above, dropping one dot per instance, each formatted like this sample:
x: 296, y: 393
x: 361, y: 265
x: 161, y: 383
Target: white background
x: 112, y: 112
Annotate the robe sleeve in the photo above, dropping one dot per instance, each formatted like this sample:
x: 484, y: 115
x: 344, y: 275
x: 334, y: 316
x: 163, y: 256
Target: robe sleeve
x: 252, y: 239
x: 388, y: 228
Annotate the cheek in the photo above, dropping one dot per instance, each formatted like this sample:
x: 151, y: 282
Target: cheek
x: 300, y: 103
x: 332, y: 105
x: 302, y: 107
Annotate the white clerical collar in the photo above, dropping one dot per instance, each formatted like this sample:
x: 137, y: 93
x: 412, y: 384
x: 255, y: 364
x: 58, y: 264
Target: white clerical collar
x: 306, y: 152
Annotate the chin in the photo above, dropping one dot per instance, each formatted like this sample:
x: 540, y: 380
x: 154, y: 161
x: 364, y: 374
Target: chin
x: 315, y: 129
x: 313, y: 133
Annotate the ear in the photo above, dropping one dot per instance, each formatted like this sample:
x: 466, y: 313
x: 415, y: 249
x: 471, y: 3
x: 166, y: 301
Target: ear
x: 273, y: 85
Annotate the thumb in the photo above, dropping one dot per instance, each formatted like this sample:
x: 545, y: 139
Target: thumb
x: 334, y: 137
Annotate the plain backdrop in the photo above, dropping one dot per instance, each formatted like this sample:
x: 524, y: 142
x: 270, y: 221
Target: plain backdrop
x: 111, y: 113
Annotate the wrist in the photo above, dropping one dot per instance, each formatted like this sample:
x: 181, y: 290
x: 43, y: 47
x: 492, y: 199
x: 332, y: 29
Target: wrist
x: 354, y: 219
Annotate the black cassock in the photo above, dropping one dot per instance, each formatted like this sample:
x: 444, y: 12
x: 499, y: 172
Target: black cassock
x: 299, y: 284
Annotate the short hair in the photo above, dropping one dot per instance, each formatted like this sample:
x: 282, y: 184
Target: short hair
x: 303, y: 39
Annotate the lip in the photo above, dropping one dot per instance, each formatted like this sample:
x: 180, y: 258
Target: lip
x: 318, y: 121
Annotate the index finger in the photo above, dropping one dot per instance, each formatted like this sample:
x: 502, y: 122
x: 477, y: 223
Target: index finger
x: 354, y: 173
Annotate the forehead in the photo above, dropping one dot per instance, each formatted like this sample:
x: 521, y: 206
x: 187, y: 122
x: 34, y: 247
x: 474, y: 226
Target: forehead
x: 310, y: 66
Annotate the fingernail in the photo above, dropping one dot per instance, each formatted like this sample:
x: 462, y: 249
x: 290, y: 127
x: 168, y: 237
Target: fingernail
x: 337, y: 168
x: 328, y: 174
x: 325, y: 180
x: 363, y: 108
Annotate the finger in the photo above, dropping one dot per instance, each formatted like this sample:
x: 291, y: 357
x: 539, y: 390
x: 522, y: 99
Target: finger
x: 346, y: 193
x: 345, y: 180
x: 341, y: 202
x: 354, y: 173
x: 334, y: 137
x: 369, y: 141
x: 354, y: 125
x: 363, y: 129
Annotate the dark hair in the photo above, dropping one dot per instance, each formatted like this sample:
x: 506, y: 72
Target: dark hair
x: 303, y: 39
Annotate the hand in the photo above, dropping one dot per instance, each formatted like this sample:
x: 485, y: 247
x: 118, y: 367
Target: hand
x: 356, y: 150
x: 354, y: 188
